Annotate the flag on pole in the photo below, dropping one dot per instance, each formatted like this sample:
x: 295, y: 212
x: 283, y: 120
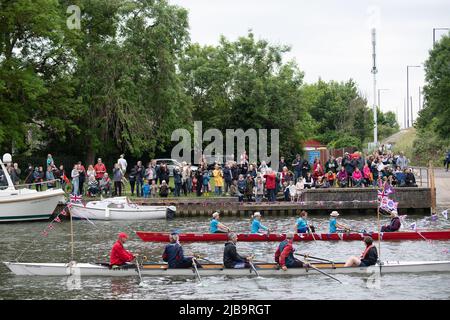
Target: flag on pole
x: 445, y: 214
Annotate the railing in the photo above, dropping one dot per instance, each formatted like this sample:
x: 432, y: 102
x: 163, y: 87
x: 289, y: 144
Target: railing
x: 56, y: 184
x: 422, y: 175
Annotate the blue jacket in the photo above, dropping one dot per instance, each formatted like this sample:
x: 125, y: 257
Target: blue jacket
x: 174, y: 255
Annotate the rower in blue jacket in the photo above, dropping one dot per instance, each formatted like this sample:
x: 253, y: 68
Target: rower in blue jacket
x: 217, y: 227
x: 174, y: 255
x: 256, y: 224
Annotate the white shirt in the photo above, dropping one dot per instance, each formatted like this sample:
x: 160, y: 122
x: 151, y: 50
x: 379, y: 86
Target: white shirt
x: 122, y: 163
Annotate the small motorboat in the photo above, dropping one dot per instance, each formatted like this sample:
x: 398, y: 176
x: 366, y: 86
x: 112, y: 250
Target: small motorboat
x: 119, y: 208
x: 25, y: 204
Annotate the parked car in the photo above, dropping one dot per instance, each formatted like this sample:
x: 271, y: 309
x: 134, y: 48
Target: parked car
x: 172, y: 163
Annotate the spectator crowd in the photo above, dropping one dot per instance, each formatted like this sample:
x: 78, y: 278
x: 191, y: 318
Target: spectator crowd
x: 247, y: 181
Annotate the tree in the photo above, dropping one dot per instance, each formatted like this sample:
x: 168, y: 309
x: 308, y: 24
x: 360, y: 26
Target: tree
x: 34, y: 61
x: 245, y: 84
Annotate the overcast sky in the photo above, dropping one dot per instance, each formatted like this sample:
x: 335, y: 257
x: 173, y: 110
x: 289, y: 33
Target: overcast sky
x: 332, y: 39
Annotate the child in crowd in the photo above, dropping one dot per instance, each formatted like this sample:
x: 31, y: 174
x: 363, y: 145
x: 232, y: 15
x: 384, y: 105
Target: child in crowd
x: 241, y: 184
x: 146, y: 189
x: 153, y: 189
x: 292, y: 190
x: 300, y: 186
x: 205, y: 183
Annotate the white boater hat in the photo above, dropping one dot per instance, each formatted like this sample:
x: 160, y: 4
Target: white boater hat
x: 334, y: 214
x: 257, y: 214
x: 215, y: 214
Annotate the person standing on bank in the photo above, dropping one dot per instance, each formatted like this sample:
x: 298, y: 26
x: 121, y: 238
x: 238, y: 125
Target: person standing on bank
x: 117, y: 178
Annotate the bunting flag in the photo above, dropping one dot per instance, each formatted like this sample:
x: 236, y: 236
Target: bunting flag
x: 385, y: 192
x: 434, y: 217
x: 388, y: 204
x: 63, y: 212
x: 445, y: 214
x: 69, y: 205
x: 57, y: 219
x: 413, y: 226
x: 44, y: 233
x: 50, y: 227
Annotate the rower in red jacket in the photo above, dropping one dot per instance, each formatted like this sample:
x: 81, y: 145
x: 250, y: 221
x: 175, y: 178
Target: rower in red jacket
x: 284, y: 255
x: 120, y: 256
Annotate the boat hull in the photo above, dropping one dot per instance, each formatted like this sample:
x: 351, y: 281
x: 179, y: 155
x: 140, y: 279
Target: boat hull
x: 244, y: 237
x: 161, y: 270
x: 142, y: 213
x: 29, y: 206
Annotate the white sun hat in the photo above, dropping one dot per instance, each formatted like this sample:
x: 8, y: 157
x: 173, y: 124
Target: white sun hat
x: 334, y: 214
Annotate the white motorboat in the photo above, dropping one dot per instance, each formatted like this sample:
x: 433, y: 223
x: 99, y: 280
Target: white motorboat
x: 119, y: 208
x: 264, y: 269
x: 26, y: 204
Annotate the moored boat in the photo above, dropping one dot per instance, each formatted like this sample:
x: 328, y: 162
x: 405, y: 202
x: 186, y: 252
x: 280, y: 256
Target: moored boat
x: 246, y: 237
x: 119, y: 208
x: 264, y: 269
x: 26, y: 204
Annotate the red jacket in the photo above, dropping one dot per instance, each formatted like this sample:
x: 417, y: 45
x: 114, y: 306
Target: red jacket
x: 270, y: 181
x: 119, y: 255
x: 100, y: 170
x: 288, y: 250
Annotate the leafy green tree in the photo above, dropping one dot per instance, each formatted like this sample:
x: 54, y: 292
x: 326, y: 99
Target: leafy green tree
x: 245, y: 84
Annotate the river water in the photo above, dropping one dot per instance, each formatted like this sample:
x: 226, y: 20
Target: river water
x: 93, y: 243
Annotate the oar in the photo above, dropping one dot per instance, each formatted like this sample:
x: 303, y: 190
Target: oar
x: 204, y: 259
x: 315, y: 258
x: 138, y: 270
x: 323, y: 272
x: 310, y: 231
x: 194, y: 264
x: 253, y: 267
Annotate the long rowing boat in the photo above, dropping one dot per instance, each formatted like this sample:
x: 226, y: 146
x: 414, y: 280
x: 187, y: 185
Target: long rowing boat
x: 264, y: 269
x: 246, y: 237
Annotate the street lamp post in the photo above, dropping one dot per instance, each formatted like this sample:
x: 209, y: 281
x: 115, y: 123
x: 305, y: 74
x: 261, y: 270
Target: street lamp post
x: 379, y: 101
x: 434, y: 33
x: 407, y: 95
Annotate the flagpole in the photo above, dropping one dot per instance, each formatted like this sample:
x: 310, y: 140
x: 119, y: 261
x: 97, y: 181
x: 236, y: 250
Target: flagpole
x: 379, y: 223
x: 71, y: 236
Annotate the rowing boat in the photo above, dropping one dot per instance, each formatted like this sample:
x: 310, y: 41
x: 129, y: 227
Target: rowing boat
x: 246, y: 237
x: 264, y: 269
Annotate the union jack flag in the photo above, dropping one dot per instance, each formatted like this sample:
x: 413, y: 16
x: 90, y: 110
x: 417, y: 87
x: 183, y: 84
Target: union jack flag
x: 386, y: 191
x: 75, y: 198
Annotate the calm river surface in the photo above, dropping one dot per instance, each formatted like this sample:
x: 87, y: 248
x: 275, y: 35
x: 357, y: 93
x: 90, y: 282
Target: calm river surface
x: 93, y: 243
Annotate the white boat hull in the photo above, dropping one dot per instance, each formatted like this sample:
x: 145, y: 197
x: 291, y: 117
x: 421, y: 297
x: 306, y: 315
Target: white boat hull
x: 87, y: 269
x: 93, y: 211
x: 25, y: 205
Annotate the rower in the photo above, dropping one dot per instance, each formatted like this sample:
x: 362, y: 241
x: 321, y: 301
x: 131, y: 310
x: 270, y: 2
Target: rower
x: 394, y: 225
x: 256, y: 224
x: 217, y: 227
x: 119, y: 256
x: 284, y: 255
x: 335, y: 226
x: 301, y: 224
x: 174, y: 255
x: 231, y: 259
x: 368, y: 258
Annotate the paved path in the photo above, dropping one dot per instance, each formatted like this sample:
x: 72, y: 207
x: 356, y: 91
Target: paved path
x: 442, y: 180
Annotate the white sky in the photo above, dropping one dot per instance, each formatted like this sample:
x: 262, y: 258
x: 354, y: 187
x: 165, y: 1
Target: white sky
x: 332, y: 39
